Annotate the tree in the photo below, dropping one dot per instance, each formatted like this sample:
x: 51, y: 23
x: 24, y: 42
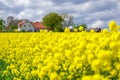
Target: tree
x: 12, y: 23
x: 2, y: 26
x: 53, y: 21
x: 68, y: 20
x: 1, y: 23
x: 10, y: 20
x: 81, y: 25
x: 13, y: 27
x: 84, y: 26
x: 76, y: 26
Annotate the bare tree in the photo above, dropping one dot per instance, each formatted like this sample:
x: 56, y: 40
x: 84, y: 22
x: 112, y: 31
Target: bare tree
x: 10, y: 21
x: 68, y: 20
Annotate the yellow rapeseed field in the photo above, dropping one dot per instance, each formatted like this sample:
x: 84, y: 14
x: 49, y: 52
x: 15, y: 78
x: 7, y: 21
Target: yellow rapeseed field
x: 60, y: 56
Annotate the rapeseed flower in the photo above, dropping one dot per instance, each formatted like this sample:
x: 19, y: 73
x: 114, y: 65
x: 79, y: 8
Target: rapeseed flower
x: 57, y: 56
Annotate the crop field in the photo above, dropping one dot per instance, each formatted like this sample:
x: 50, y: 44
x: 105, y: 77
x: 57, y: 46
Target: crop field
x: 60, y: 56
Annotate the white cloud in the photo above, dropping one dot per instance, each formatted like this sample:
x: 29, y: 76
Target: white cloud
x: 22, y: 2
x: 102, y: 15
x: 1, y: 12
x: 6, y: 3
x: 98, y: 23
x: 27, y: 13
x: 32, y: 14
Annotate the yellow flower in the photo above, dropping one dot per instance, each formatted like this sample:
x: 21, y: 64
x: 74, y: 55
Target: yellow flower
x: 15, y: 71
x: 104, y: 55
x: 50, y: 31
x: 97, y: 77
x: 41, y: 75
x: 60, y: 55
x: 92, y: 31
x: 113, y: 45
x: 79, y: 66
x: 75, y: 30
x: 87, y: 78
x: 105, y: 31
x: 34, y: 73
x: 54, y: 76
x: 62, y: 74
x: 71, y: 68
x: 28, y: 75
x: 70, y: 77
x: 41, y: 31
x: 67, y: 29
x: 81, y: 28
x: 6, y: 72
x: 114, y: 72
x: 96, y: 65
x: 15, y: 78
x: 117, y: 66
x: 113, y: 26
x: 90, y: 58
x: 45, y: 31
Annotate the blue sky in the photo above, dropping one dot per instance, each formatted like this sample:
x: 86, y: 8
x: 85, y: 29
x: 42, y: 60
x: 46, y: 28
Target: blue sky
x: 95, y: 13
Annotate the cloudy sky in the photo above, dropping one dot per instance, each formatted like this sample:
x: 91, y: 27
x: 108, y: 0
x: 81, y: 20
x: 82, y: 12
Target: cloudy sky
x: 95, y: 13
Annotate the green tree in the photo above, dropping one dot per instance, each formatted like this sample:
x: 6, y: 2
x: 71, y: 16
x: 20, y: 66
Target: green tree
x: 53, y: 21
x: 14, y: 27
x: 76, y: 26
x: 84, y: 26
x: 1, y: 24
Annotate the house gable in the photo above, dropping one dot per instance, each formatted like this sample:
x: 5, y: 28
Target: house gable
x: 26, y: 26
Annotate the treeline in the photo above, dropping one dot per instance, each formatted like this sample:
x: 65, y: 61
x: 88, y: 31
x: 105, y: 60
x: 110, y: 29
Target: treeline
x: 54, y: 21
x: 9, y: 25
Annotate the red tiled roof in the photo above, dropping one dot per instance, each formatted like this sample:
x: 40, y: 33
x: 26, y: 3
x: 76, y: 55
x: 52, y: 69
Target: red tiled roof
x: 38, y: 25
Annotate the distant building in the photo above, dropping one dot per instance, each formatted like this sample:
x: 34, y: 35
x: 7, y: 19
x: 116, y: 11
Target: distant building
x: 28, y: 26
x: 38, y: 26
x: 95, y: 29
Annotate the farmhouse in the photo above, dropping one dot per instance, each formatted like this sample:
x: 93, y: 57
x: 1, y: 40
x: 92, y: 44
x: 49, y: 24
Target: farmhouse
x: 28, y: 26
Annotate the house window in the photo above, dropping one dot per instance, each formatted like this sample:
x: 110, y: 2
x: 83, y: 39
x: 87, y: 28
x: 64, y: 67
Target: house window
x: 30, y: 30
x: 24, y: 25
x: 29, y: 25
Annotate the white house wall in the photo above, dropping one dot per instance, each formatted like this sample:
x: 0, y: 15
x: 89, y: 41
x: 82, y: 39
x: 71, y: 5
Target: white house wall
x: 27, y: 27
x: 19, y: 29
